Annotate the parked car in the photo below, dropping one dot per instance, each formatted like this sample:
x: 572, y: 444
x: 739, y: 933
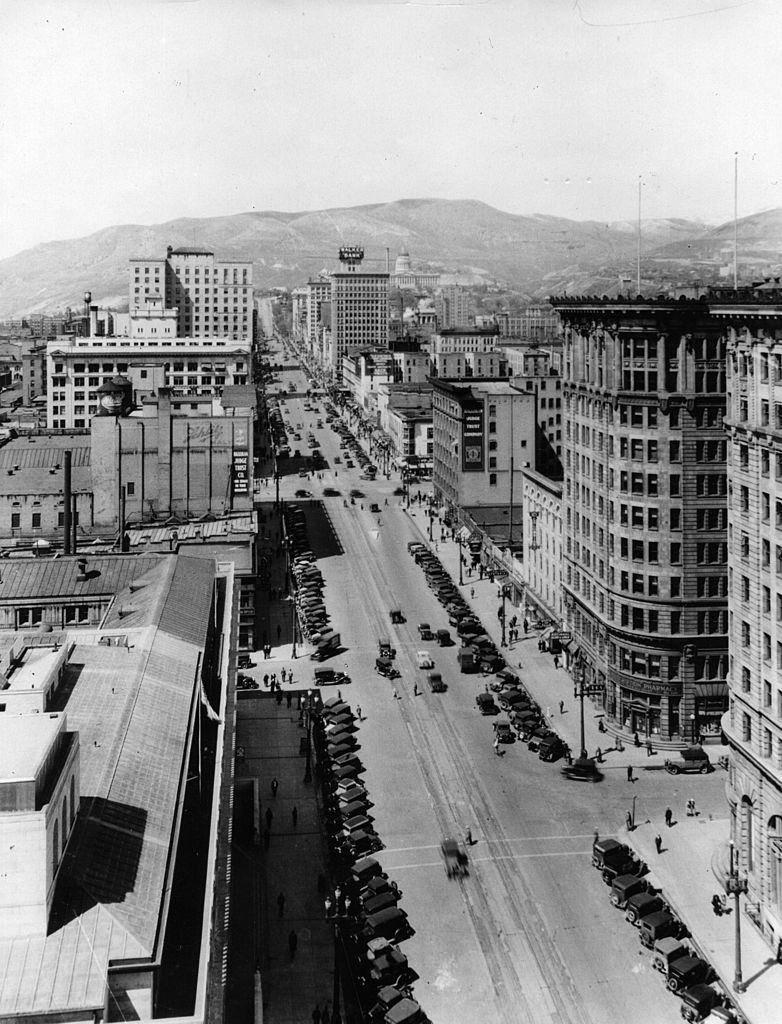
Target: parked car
x: 641, y: 904
x: 659, y: 925
x: 686, y: 972
x: 693, y: 759
x: 443, y: 638
x: 503, y: 732
x: 625, y: 886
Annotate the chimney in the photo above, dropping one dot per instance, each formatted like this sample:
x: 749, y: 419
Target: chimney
x: 66, y: 519
x: 82, y: 575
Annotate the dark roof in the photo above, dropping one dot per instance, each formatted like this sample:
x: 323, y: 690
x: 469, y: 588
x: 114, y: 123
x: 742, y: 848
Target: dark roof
x: 45, y: 451
x: 188, y: 250
x: 38, y: 579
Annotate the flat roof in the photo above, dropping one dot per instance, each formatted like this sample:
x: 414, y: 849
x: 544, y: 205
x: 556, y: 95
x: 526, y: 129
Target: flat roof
x: 43, y: 451
x: 25, y: 741
x: 238, y: 396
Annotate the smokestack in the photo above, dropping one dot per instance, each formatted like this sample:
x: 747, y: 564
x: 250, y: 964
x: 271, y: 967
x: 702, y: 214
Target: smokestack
x: 87, y: 301
x: 388, y: 260
x: 74, y: 524
x: 66, y: 518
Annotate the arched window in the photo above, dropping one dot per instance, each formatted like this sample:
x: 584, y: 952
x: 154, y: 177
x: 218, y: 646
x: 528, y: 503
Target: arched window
x: 775, y: 862
x: 73, y: 798
x: 55, y: 847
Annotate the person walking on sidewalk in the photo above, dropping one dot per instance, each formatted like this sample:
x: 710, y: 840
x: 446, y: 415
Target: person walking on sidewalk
x: 562, y: 707
x: 630, y: 773
x: 668, y: 816
x: 658, y: 843
x: 358, y: 713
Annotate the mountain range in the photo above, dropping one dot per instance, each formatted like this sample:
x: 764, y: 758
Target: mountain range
x: 465, y: 240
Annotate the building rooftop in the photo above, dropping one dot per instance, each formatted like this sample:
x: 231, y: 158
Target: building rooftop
x: 203, y: 530
x: 42, y: 579
x: 131, y: 690
x: 24, y: 743
x: 45, y: 451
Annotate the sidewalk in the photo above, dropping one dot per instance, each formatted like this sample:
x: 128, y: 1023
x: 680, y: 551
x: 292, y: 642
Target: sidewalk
x: 683, y: 872
x: 287, y: 865
x: 546, y: 684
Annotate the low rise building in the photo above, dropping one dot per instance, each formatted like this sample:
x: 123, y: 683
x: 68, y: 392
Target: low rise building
x: 364, y: 371
x: 464, y: 339
x: 458, y: 365
x: 109, y: 820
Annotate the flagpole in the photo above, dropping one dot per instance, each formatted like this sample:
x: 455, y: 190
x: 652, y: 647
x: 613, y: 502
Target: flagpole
x: 736, y: 220
x: 638, y: 244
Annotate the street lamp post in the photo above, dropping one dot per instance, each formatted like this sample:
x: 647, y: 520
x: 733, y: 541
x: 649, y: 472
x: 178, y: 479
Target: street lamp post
x: 294, y: 623
x: 337, y: 911
x: 581, y: 691
x: 431, y: 522
x: 735, y: 886
x: 503, y: 642
x: 461, y: 559
x: 692, y: 729
x: 308, y: 712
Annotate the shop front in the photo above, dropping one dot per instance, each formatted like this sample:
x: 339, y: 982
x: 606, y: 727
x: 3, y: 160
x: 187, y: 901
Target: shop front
x: 711, y: 703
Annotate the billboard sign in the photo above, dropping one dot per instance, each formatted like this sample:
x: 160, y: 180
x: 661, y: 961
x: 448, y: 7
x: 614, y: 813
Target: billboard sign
x: 241, y: 475
x: 472, y: 439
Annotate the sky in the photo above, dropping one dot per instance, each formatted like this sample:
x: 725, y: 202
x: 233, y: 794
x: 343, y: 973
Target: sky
x: 142, y: 111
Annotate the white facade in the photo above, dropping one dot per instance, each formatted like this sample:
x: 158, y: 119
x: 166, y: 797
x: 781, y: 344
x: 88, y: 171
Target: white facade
x: 541, y: 567
x: 77, y: 367
x: 464, y: 340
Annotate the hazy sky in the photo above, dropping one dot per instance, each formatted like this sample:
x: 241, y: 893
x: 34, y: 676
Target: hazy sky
x: 118, y: 111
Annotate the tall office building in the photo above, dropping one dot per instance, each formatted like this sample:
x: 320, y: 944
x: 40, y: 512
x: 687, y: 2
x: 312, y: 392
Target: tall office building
x: 753, y: 324
x: 359, y: 307
x: 452, y: 304
x: 645, y: 512
x: 213, y: 298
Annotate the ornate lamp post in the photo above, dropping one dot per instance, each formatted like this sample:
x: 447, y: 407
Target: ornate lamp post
x: 735, y: 885
x: 337, y: 909
x: 580, y: 691
x: 461, y: 559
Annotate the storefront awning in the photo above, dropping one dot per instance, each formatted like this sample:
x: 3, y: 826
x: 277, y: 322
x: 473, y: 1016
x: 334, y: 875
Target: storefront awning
x: 710, y: 690
x: 463, y: 534
x: 572, y: 647
x: 546, y: 632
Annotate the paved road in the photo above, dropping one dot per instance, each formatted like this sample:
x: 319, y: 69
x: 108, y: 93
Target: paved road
x: 530, y: 935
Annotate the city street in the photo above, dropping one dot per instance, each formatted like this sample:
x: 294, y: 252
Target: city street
x: 530, y: 934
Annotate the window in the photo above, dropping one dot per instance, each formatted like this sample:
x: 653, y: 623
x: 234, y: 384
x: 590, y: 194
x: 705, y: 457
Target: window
x: 492, y: 479
x: 746, y: 728
x: 674, y: 485
x: 130, y: 487
x: 36, y: 521
x: 745, y: 634
x: 676, y: 518
x: 746, y: 679
x: 676, y: 553
x: 676, y: 586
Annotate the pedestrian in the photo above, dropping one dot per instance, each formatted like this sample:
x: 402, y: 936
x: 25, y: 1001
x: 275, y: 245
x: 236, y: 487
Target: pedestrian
x: 278, y: 695
x: 415, y: 689
x: 295, y: 815
x: 668, y: 817
x: 472, y: 591
x: 279, y: 631
x: 288, y: 698
x: 275, y: 787
x: 629, y: 821
x: 691, y: 813
x: 269, y: 817
x: 630, y: 773
x: 316, y: 1018
x: 636, y: 741
x: 281, y: 904
x: 266, y: 679
x: 599, y: 755
x: 274, y: 681
x: 468, y: 837
x: 396, y: 695
x: 556, y: 661
x: 548, y: 711
x: 649, y: 748
x: 293, y: 942
x: 658, y: 842
x: 358, y: 713
x: 496, y: 745
x: 541, y: 645
x: 526, y: 626
x: 282, y: 673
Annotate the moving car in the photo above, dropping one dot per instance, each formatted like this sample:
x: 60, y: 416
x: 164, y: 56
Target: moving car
x: 425, y: 631
x: 693, y: 759
x: 424, y: 659
x: 435, y: 681
x: 485, y: 704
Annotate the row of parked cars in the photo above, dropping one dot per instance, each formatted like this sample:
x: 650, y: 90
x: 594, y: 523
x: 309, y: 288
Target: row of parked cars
x: 660, y: 931
x: 277, y: 427
x: 367, y: 902
x: 313, y: 617
x: 350, y: 445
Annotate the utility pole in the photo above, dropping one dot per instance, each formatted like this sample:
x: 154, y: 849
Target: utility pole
x: 736, y: 885
x: 735, y: 220
x: 581, y: 691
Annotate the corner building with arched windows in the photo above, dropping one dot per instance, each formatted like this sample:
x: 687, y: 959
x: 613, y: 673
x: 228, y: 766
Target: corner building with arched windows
x: 752, y: 320
x: 644, y: 508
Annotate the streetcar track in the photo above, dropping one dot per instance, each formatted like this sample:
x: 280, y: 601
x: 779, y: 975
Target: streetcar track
x: 501, y: 968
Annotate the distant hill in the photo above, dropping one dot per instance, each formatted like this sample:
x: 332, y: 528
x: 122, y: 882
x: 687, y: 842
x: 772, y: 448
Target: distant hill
x: 465, y: 239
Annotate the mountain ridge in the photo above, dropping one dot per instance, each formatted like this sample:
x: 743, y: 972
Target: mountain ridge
x: 470, y: 240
